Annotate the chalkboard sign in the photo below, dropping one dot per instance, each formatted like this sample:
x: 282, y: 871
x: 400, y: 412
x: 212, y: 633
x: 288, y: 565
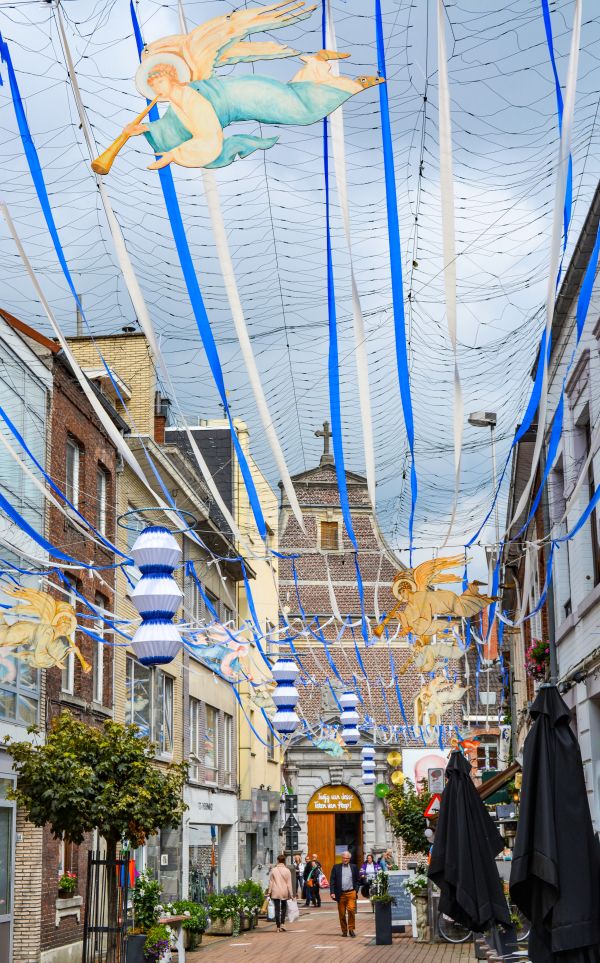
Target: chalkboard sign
x: 402, y: 908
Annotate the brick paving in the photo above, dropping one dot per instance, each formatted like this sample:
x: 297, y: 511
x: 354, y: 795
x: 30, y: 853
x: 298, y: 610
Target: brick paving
x: 316, y: 936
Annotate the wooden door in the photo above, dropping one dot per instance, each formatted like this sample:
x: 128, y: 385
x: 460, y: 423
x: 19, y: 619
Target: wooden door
x: 321, y: 839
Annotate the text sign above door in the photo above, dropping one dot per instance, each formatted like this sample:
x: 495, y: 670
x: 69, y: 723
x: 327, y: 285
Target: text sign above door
x: 335, y: 799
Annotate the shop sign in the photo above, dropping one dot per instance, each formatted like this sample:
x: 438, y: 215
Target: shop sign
x: 335, y: 799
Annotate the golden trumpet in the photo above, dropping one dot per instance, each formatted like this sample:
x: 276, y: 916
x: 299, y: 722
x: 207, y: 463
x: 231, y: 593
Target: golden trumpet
x: 105, y: 161
x: 380, y: 627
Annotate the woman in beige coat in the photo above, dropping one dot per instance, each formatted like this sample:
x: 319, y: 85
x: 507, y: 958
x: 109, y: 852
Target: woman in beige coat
x: 280, y: 890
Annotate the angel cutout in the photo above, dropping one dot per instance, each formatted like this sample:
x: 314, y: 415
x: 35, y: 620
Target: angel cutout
x: 181, y: 71
x: 435, y: 698
x: 46, y: 643
x: 425, y: 653
x: 423, y: 610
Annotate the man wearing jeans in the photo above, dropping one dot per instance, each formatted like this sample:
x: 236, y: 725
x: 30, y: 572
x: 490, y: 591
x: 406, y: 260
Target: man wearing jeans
x: 344, y: 886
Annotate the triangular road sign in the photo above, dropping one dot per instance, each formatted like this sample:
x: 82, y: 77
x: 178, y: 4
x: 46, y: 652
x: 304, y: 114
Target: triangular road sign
x: 434, y: 806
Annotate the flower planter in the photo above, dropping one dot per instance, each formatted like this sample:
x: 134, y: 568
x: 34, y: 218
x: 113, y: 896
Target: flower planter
x: 383, y: 923
x: 135, y: 948
x: 220, y: 928
x: 245, y: 923
x: 191, y: 939
x: 421, y: 902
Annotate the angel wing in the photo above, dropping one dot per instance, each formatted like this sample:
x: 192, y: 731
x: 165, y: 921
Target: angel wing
x: 429, y: 573
x: 205, y: 47
x: 33, y: 602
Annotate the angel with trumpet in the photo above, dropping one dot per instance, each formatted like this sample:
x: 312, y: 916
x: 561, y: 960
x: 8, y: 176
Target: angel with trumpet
x: 46, y: 642
x: 181, y: 70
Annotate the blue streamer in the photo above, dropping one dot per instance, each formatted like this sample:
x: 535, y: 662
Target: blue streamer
x: 199, y: 309
x: 52, y: 550
x: 559, y: 107
x: 396, y: 269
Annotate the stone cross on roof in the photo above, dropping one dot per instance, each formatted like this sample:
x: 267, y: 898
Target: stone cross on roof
x: 325, y: 434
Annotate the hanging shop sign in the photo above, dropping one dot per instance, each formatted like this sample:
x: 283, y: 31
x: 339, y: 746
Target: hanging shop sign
x: 335, y: 799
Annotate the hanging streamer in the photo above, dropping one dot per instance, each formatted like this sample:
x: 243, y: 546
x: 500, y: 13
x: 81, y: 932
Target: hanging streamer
x: 449, y: 246
x: 199, y: 309
x: 396, y: 270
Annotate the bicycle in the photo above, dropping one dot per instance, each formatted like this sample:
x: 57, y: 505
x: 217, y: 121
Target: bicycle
x: 452, y: 932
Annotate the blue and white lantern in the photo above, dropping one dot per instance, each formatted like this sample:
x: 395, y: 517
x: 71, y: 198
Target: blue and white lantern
x: 285, y: 696
x: 349, y: 718
x: 368, y: 764
x: 156, y: 596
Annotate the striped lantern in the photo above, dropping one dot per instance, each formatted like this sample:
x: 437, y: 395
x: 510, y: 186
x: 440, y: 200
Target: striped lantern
x: 285, y: 696
x: 368, y: 765
x: 156, y: 596
x: 349, y: 718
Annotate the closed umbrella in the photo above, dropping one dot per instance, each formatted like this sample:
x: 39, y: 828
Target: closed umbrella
x: 555, y: 876
x: 463, y: 856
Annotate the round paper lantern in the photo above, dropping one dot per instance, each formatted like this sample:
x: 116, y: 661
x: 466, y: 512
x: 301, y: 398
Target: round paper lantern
x: 394, y: 759
x: 156, y: 596
x: 382, y: 790
x: 349, y: 718
x: 368, y: 752
x: 397, y: 777
x: 368, y: 778
x: 285, y: 696
x: 368, y: 764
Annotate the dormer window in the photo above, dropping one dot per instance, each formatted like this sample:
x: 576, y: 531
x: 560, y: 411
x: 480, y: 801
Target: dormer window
x: 330, y: 537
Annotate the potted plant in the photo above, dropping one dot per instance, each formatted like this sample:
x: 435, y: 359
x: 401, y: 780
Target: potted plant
x: 252, y: 895
x: 382, y: 901
x: 146, y: 911
x: 416, y: 887
x: 157, y: 944
x: 67, y: 884
x: 196, y: 923
x: 537, y: 660
x: 224, y: 914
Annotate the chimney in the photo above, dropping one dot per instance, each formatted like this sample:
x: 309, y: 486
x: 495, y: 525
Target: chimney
x: 79, y: 317
x: 161, y: 417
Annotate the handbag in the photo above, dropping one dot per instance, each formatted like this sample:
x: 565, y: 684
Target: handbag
x: 292, y: 912
x: 323, y: 881
x: 265, y: 907
x: 271, y: 910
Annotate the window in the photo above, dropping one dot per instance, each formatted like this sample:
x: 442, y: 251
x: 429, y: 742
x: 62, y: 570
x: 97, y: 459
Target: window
x: 195, y: 739
x: 271, y: 744
x: 67, y: 683
x: 19, y: 690
x: 68, y: 858
x: 227, y: 747
x: 101, y: 499
x: 487, y: 752
x: 23, y: 396
x: 98, y: 660
x: 73, y: 460
x: 149, y: 704
x: 135, y: 524
x: 211, y: 739
x: 194, y: 608
x: 330, y: 537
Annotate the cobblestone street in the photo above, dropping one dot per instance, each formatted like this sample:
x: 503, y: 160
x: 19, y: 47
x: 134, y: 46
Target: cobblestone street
x: 316, y: 936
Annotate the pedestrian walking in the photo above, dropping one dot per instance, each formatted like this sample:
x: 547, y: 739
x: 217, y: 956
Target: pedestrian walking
x: 312, y: 875
x: 368, y: 871
x: 344, y: 883
x: 280, y: 890
x: 299, y: 866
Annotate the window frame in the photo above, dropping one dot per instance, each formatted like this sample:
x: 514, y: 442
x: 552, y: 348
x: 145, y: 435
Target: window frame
x: 195, y: 720
x: 489, y: 744
x: 211, y: 772
x: 98, y: 658
x: 161, y: 708
x: 330, y: 525
x: 72, y: 480
x: 67, y: 675
x: 102, y: 482
x: 227, y: 748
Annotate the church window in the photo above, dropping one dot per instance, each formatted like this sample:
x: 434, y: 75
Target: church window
x: 330, y: 541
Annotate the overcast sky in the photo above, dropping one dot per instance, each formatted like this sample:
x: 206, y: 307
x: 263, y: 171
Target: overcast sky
x: 505, y: 148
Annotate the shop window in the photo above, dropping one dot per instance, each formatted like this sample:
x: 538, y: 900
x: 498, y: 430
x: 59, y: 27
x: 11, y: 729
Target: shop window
x: 330, y: 537
x: 211, y: 743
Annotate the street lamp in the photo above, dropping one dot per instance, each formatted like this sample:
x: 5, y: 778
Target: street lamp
x: 488, y: 419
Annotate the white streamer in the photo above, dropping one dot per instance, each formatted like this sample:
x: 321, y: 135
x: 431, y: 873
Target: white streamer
x: 449, y: 246
x: 360, y: 338
x: 555, y: 249
x: 332, y: 598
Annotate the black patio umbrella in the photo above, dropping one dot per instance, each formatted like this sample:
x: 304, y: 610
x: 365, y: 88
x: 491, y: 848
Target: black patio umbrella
x: 463, y: 855
x: 555, y: 876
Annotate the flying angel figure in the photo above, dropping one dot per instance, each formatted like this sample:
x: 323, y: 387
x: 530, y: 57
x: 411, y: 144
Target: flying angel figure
x: 47, y: 642
x: 180, y: 70
x: 421, y: 608
x: 435, y: 698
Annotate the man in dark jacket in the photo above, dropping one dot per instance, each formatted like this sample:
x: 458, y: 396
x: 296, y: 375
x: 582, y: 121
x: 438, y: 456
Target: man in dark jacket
x: 343, y: 883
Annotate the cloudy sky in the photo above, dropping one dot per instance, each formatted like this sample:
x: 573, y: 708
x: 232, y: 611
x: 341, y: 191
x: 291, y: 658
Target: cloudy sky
x: 505, y: 148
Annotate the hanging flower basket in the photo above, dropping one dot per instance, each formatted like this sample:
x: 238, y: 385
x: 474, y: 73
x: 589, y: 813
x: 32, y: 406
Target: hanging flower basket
x: 537, y: 660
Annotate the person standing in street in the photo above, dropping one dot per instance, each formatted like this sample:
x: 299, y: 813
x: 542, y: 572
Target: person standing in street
x: 280, y: 890
x: 368, y: 871
x: 344, y: 882
x: 312, y: 876
x: 299, y: 866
